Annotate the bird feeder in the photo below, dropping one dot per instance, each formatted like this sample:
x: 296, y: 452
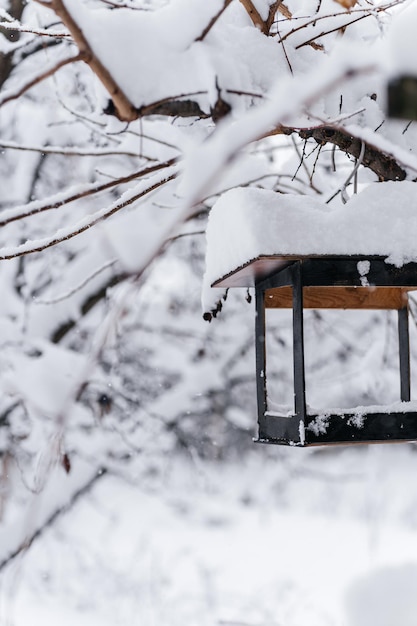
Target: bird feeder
x: 283, y: 235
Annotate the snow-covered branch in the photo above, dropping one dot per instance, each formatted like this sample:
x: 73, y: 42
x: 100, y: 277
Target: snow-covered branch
x: 8, y: 96
x: 59, y: 200
x: 64, y: 234
x: 67, y: 151
x: 123, y: 106
x: 175, y: 103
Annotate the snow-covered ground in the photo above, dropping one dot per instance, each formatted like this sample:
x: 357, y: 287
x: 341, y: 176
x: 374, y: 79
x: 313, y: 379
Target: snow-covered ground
x: 280, y: 537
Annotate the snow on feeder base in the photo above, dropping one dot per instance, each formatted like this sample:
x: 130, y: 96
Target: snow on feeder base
x: 343, y: 277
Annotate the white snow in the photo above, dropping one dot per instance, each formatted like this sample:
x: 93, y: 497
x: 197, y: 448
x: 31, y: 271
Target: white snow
x: 321, y: 540
x: 285, y: 103
x: 385, y: 597
x: 403, y: 42
x: 44, y: 380
x: 274, y: 536
x: 129, y: 197
x: 164, y: 43
x: 247, y: 223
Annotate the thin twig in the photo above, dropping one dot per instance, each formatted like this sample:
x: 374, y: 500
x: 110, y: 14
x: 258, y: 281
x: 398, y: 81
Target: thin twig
x: 131, y: 7
x: 15, y: 214
x: 238, y: 92
x: 339, y: 13
x: 142, y: 135
x: 407, y: 127
x: 213, y: 20
x: 342, y: 189
x: 14, y: 96
x: 303, y: 163
x: 273, y: 8
x: 71, y: 292
x: 92, y: 123
x: 28, y: 541
x: 189, y: 234
x: 79, y: 152
x: 285, y: 52
x: 333, y: 30
x: 21, y: 28
x: 63, y: 235
x: 333, y: 158
x: 320, y: 147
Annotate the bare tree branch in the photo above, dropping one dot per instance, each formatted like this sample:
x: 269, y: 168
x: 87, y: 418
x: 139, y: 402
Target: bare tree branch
x: 384, y: 165
x: 43, y: 32
x: 369, y: 12
x: 276, y: 6
x: 79, y: 152
x: 39, y: 78
x: 83, y: 283
x: 254, y: 14
x: 62, y: 330
x: 213, y: 20
x: 52, y: 518
x: 265, y: 25
x: 310, y: 41
x: 123, y: 107
x: 30, y: 247
x: 18, y: 213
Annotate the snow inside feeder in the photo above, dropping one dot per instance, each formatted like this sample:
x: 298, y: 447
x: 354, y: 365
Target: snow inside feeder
x: 299, y: 253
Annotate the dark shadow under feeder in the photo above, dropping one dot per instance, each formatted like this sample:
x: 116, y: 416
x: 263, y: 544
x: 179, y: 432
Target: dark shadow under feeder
x: 328, y: 282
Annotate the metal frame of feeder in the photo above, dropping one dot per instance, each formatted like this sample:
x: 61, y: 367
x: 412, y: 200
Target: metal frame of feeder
x: 303, y: 429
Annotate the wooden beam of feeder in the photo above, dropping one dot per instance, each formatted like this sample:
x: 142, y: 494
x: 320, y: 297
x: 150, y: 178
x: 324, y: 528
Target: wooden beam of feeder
x: 340, y: 297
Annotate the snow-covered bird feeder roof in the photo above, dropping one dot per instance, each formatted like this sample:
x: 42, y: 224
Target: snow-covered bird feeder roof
x: 254, y: 232
x: 301, y: 253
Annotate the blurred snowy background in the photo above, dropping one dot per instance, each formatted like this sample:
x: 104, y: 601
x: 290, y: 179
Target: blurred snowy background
x: 130, y: 489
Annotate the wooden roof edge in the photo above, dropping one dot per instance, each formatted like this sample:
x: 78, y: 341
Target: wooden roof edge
x: 259, y: 267
x: 264, y: 265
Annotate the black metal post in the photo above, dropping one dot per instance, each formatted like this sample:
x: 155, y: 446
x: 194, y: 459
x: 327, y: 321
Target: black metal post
x: 404, y: 349
x: 298, y: 349
x: 260, y: 354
